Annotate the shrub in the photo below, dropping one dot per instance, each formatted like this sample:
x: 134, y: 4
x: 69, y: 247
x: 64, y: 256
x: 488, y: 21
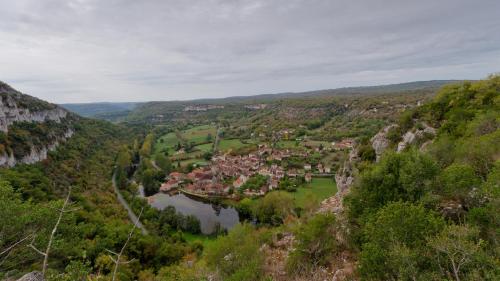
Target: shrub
x: 315, y: 244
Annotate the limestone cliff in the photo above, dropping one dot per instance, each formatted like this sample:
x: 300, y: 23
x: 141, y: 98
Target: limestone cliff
x: 380, y: 141
x: 30, y: 127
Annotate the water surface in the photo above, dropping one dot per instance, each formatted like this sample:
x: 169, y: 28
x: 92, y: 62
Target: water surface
x: 208, y: 214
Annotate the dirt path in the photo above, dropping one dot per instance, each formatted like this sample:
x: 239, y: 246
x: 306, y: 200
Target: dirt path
x: 124, y: 203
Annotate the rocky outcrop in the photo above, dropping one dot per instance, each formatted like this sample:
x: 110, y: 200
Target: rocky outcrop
x: 408, y: 139
x: 344, y: 178
x: 412, y: 137
x: 36, y: 154
x: 32, y: 276
x: 380, y: 142
x: 16, y: 107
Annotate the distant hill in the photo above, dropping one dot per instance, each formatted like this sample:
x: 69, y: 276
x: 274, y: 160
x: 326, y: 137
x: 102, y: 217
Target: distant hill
x: 100, y: 108
x: 365, y: 90
x: 160, y: 111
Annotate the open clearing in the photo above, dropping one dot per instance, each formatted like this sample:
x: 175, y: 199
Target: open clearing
x: 321, y: 188
x: 232, y: 144
x: 199, y: 135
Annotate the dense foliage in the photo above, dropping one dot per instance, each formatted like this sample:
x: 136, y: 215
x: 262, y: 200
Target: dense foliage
x: 429, y: 216
x: 29, y: 204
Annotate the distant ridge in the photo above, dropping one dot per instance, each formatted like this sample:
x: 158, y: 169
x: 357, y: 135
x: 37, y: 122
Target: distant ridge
x: 114, y: 111
x: 98, y: 108
x: 362, y: 90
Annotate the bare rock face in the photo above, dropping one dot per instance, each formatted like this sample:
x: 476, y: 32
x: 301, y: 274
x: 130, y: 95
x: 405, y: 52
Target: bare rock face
x: 18, y: 107
x: 36, y: 154
x: 344, y: 177
x: 380, y: 142
x: 408, y: 139
x: 32, y: 276
x: 411, y: 137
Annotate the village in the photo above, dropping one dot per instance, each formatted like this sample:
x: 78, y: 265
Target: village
x: 227, y: 175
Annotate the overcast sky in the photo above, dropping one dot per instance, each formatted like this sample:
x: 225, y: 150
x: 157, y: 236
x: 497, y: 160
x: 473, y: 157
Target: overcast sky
x: 130, y: 50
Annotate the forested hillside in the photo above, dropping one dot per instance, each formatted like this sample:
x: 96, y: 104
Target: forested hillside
x: 433, y: 213
x: 62, y: 209
x: 160, y: 111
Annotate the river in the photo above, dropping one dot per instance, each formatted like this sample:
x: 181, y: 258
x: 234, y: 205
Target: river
x: 209, y: 214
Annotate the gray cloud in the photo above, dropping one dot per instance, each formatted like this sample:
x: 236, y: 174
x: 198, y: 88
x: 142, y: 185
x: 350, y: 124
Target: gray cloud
x: 124, y: 50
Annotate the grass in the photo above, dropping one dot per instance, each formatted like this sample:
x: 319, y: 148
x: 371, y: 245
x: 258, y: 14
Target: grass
x: 313, y: 143
x: 287, y: 144
x: 198, y: 135
x: 166, y: 142
x: 225, y: 145
x: 321, y: 188
x: 205, y: 147
x: 204, y: 239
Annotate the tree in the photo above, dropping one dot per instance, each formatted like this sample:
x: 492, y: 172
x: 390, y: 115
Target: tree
x: 244, y: 208
x: 458, y: 246
x: 46, y: 254
x: 274, y: 207
x: 164, y: 163
x: 315, y: 244
x: 207, y: 155
x: 150, y: 182
x: 397, y: 226
x: 117, y: 259
x: 406, y: 176
x: 236, y: 256
x: 192, y: 224
x: 147, y: 146
x: 367, y: 153
x: 457, y: 180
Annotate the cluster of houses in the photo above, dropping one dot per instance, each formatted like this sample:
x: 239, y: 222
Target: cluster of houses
x: 227, y: 173
x: 256, y: 106
x: 343, y: 144
x: 202, y: 107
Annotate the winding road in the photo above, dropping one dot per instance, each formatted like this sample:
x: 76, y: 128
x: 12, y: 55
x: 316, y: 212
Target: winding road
x: 124, y: 203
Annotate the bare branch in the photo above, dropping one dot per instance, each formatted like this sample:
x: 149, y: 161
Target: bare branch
x: 52, y: 234
x: 114, y: 253
x: 118, y: 255
x: 36, y: 250
x: 112, y: 258
x: 72, y: 210
x: 127, y: 262
x: 15, y: 244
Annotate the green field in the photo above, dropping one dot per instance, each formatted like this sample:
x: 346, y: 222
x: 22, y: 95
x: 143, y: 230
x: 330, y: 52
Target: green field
x: 313, y: 143
x: 287, y: 144
x: 226, y: 145
x: 204, y: 239
x: 204, y: 147
x: 166, y: 143
x: 321, y: 188
x: 197, y: 135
